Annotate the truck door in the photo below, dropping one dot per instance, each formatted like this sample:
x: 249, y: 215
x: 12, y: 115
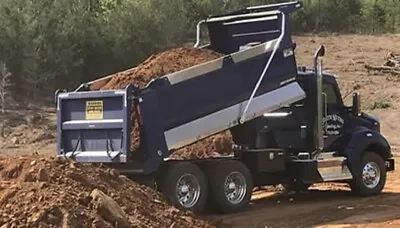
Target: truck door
x: 334, y: 116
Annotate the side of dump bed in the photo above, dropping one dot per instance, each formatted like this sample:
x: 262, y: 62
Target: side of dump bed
x: 256, y: 75
x: 205, y: 99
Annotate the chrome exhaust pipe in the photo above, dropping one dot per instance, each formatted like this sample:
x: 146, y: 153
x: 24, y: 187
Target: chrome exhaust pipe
x: 318, y: 71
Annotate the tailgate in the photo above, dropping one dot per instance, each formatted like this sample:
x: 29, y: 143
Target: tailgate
x: 93, y: 126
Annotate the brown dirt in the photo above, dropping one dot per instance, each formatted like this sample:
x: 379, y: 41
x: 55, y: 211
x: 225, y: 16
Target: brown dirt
x: 158, y: 65
x: 53, y: 193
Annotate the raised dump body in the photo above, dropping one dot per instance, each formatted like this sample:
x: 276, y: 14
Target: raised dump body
x: 256, y: 75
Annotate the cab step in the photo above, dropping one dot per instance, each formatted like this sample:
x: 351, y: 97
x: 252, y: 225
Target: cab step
x: 333, y: 168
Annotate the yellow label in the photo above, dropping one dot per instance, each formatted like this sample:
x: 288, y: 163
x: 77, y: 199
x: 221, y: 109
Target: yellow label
x: 94, y: 110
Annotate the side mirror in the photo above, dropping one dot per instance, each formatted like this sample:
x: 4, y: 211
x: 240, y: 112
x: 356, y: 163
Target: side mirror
x: 356, y: 104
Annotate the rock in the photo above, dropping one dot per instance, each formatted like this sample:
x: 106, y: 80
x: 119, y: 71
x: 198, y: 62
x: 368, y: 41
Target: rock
x: 108, y: 209
x: 42, y: 175
x: 72, y: 165
x: 14, y: 140
x: 35, y: 217
x: 13, y: 172
x: 113, y: 172
x: 6, y: 225
x: 29, y: 177
x: 33, y: 163
x: 123, y: 177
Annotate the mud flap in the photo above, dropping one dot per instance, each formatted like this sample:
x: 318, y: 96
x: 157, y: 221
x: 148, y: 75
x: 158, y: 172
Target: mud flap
x: 390, y: 165
x: 305, y: 171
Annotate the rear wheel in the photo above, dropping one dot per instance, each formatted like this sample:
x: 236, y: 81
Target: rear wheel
x: 370, y: 177
x: 230, y: 186
x: 185, y: 186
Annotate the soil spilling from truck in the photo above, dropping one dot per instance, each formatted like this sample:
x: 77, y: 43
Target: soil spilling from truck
x: 51, y: 192
x: 168, y: 62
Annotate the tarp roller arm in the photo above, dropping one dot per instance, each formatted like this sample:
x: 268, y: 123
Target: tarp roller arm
x: 243, y: 117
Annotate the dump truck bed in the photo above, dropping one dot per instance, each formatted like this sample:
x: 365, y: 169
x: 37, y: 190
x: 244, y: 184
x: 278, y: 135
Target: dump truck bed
x: 181, y: 108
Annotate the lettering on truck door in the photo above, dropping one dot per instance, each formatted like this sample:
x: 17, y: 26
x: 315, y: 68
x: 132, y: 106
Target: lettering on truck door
x: 334, y: 118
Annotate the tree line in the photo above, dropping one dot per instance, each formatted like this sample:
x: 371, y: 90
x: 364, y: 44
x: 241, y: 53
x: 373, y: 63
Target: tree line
x: 50, y: 44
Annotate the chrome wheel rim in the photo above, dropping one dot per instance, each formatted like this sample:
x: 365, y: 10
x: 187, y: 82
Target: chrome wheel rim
x: 235, y: 187
x: 188, y: 190
x: 371, y: 175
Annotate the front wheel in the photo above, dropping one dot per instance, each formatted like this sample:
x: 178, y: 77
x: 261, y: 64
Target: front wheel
x: 370, y: 177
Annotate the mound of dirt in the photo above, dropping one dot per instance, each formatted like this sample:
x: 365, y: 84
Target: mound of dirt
x: 49, y: 192
x: 158, y: 65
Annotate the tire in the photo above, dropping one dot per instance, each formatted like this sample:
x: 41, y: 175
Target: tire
x: 223, y: 173
x: 189, y: 181
x: 359, y: 186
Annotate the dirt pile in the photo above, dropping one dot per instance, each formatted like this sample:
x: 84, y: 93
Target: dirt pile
x: 58, y: 193
x: 167, y: 62
x: 160, y: 64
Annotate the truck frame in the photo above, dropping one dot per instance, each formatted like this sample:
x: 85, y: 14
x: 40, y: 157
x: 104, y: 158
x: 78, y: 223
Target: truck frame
x: 289, y: 124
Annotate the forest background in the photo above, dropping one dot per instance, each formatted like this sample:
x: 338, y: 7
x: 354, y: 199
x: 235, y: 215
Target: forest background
x: 51, y: 44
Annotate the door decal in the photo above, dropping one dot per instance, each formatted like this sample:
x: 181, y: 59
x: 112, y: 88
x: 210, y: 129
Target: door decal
x: 332, y: 124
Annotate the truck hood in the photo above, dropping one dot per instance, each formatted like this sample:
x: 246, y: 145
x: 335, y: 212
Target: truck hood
x: 373, y: 121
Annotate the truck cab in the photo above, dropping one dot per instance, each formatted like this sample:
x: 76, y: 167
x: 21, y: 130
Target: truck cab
x: 350, y: 137
x: 297, y: 120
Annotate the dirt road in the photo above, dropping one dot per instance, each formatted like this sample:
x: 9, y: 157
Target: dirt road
x: 326, y: 205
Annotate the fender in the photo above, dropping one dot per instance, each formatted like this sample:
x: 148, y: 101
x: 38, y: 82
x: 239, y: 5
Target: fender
x: 363, y: 140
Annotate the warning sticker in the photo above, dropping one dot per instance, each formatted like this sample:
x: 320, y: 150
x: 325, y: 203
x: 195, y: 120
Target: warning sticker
x: 94, y: 110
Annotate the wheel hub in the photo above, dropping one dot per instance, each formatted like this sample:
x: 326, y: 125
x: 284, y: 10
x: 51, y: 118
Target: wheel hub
x: 371, y: 175
x: 184, y: 188
x: 235, y: 187
x: 232, y: 185
x: 188, y: 190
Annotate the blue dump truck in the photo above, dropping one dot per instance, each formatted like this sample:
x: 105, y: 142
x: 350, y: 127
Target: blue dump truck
x: 289, y: 123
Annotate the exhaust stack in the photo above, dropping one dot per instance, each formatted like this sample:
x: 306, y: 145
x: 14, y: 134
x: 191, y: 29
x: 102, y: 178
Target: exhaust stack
x: 318, y: 71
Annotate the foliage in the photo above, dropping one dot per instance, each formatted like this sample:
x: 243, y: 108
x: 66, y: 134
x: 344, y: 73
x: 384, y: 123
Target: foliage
x: 51, y: 44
